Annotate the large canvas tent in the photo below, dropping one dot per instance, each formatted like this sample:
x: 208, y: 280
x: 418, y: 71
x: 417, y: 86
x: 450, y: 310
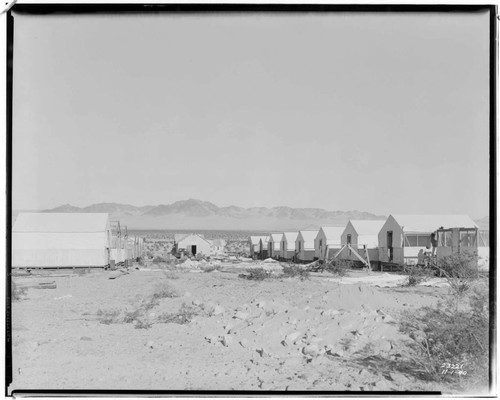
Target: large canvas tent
x: 193, y: 244
x: 61, y: 240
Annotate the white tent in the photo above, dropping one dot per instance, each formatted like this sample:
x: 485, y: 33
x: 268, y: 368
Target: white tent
x: 50, y: 240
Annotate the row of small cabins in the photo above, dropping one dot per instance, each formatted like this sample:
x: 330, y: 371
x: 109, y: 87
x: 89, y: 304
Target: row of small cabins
x: 397, y: 240
x: 76, y: 240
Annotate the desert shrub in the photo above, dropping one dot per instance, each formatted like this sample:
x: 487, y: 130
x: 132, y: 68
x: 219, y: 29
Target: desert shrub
x: 132, y: 316
x: 460, y: 270
x: 183, y: 316
x: 211, y: 267
x: 455, y: 332
x: 17, y: 293
x: 199, y: 257
x: 163, y: 291
x: 256, y: 274
x: 143, y: 324
x: 171, y: 275
x: 416, y: 274
x: 158, y: 260
x: 107, y: 317
x: 151, y: 303
x: 295, y: 271
x: 339, y: 267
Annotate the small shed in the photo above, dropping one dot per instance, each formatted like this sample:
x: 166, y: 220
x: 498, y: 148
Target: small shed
x: 327, y: 241
x: 61, y: 240
x: 403, y: 236
x: 362, y: 235
x: 192, y: 244
x: 263, y: 248
x: 288, y: 245
x: 274, y: 245
x: 304, y: 245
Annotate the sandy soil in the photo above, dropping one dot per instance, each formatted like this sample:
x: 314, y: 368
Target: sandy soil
x: 282, y: 334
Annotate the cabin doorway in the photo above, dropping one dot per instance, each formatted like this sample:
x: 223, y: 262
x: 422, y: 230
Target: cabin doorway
x: 390, y: 249
x: 193, y: 250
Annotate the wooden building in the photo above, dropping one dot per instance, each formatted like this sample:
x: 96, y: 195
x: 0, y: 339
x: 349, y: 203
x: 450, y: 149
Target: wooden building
x: 288, y: 245
x: 304, y: 245
x: 362, y: 236
x: 327, y: 241
x: 274, y: 245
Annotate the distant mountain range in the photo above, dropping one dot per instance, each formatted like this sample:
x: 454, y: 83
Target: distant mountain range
x: 197, y: 214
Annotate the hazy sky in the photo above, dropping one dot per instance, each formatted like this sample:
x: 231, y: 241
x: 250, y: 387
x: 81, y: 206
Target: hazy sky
x: 386, y: 113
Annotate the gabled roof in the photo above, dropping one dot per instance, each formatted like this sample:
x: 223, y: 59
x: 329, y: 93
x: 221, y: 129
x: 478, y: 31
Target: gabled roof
x: 193, y: 234
x: 367, y: 231
x: 290, y: 237
x: 429, y: 223
x: 333, y: 234
x: 308, y: 238
x: 370, y: 241
x: 61, y: 222
x: 265, y: 239
x: 367, y: 227
x: 256, y: 239
x: 179, y: 236
x: 276, y: 237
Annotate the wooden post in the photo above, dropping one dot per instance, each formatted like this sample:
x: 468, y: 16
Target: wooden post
x: 368, y: 259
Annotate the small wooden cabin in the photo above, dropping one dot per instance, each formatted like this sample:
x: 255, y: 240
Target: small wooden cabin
x: 362, y: 236
x: 274, y: 245
x: 327, y: 241
x: 288, y: 245
x: 304, y: 245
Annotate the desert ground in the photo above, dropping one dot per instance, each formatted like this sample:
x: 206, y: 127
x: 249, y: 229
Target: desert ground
x: 179, y: 328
